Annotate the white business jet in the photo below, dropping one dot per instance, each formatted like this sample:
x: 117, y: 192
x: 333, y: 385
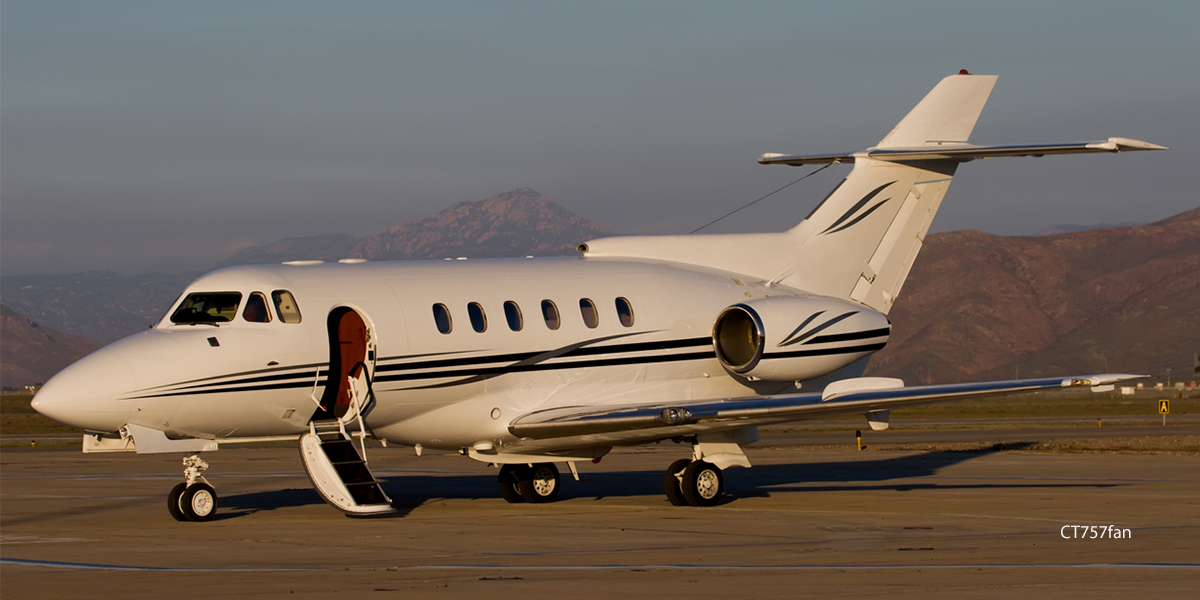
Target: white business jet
x: 528, y: 363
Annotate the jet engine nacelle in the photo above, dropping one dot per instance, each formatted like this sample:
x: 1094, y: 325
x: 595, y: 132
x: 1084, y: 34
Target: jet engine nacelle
x: 793, y: 338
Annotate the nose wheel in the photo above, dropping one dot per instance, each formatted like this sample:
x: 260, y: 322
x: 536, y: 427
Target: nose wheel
x: 194, y: 499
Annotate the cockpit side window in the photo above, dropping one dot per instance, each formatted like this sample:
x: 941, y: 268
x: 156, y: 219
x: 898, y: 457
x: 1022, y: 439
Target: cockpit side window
x: 285, y: 305
x: 256, y: 309
x: 207, y: 307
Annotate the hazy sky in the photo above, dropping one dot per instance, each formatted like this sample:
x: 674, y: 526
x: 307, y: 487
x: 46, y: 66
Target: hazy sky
x: 139, y: 136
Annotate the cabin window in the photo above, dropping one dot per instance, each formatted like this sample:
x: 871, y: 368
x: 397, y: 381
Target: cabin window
x: 550, y: 313
x: 441, y: 317
x: 478, y: 318
x: 588, y: 309
x: 512, y: 313
x: 207, y: 307
x: 285, y: 305
x: 625, y: 312
x: 256, y: 309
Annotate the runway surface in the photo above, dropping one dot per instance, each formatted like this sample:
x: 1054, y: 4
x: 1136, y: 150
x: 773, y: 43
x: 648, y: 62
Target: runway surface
x: 803, y: 522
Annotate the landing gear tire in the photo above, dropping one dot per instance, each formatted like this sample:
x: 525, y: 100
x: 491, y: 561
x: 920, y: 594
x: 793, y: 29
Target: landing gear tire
x: 702, y: 484
x: 510, y: 479
x: 173, y: 502
x: 198, y: 502
x: 540, y: 483
x: 671, y: 482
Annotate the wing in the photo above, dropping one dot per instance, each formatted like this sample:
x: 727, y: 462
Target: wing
x: 572, y: 428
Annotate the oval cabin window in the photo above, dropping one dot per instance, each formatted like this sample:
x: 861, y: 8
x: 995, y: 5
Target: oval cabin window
x: 588, y: 309
x: 478, y: 318
x: 512, y: 313
x: 441, y: 317
x: 625, y: 312
x: 550, y: 313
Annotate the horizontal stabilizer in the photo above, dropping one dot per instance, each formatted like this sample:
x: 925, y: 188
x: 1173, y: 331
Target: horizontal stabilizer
x: 961, y: 152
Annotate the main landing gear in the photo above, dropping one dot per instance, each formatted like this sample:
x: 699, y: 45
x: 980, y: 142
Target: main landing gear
x: 194, y: 499
x: 693, y: 483
x: 535, y: 483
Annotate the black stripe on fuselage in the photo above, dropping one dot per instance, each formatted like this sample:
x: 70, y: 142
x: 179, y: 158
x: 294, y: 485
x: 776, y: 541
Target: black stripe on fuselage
x: 577, y: 364
x: 305, y: 378
x: 585, y: 351
x: 824, y: 351
x: 547, y: 366
x: 846, y: 337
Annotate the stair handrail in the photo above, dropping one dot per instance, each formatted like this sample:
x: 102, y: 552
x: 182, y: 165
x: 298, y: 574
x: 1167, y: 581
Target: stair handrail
x: 356, y: 403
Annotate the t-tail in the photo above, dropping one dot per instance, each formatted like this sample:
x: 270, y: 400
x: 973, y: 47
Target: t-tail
x: 860, y: 242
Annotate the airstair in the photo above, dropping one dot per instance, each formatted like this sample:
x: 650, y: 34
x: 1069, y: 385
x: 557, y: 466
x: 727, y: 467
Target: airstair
x: 337, y: 467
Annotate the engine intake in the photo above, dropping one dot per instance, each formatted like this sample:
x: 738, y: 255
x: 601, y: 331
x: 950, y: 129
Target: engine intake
x: 793, y: 338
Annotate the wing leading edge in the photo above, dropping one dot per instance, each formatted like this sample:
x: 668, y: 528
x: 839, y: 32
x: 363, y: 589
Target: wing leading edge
x: 569, y: 428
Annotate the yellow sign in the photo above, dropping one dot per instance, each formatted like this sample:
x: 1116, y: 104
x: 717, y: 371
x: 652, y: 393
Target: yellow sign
x: 1164, y: 407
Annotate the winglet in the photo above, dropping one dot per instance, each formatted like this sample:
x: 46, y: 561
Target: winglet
x: 1099, y: 380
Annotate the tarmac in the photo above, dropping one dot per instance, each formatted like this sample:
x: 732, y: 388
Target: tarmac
x: 804, y: 522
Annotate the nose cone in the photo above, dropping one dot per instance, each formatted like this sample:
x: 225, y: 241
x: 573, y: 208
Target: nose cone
x: 90, y: 394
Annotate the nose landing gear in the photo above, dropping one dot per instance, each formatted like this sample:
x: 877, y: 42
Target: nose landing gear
x: 194, y: 499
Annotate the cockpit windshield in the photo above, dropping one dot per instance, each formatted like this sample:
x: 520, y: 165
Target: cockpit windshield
x: 207, y: 307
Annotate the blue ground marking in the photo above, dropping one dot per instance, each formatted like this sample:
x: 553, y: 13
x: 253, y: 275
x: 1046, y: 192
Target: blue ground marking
x: 602, y: 567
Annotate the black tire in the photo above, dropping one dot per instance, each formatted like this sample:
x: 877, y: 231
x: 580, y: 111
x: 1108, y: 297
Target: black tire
x: 540, y: 483
x: 510, y: 478
x: 702, y: 484
x: 198, y: 502
x: 173, y: 502
x: 671, y: 482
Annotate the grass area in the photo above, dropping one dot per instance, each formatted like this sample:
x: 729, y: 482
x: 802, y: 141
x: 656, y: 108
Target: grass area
x: 1056, y: 405
x: 17, y: 417
x: 1152, y: 444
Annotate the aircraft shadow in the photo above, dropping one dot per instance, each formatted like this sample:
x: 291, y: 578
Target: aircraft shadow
x: 409, y: 491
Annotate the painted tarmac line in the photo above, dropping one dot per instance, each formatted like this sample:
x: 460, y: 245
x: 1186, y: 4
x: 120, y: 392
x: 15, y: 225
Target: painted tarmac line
x: 600, y: 567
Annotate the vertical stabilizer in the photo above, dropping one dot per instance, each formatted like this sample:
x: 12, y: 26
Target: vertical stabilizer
x: 862, y: 240
x: 946, y: 114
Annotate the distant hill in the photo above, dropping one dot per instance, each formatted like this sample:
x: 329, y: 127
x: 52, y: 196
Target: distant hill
x: 101, y: 305
x: 980, y: 306
x: 317, y: 247
x: 1057, y: 229
x: 517, y: 223
x: 106, y: 306
x: 31, y: 354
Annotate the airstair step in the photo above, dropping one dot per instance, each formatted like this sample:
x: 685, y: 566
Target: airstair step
x: 339, y: 473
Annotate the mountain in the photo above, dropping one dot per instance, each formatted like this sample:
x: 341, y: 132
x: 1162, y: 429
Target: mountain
x: 517, y: 223
x: 980, y: 306
x: 31, y: 354
x: 318, y: 247
x: 102, y: 305
x: 106, y: 306
x: 1057, y: 229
